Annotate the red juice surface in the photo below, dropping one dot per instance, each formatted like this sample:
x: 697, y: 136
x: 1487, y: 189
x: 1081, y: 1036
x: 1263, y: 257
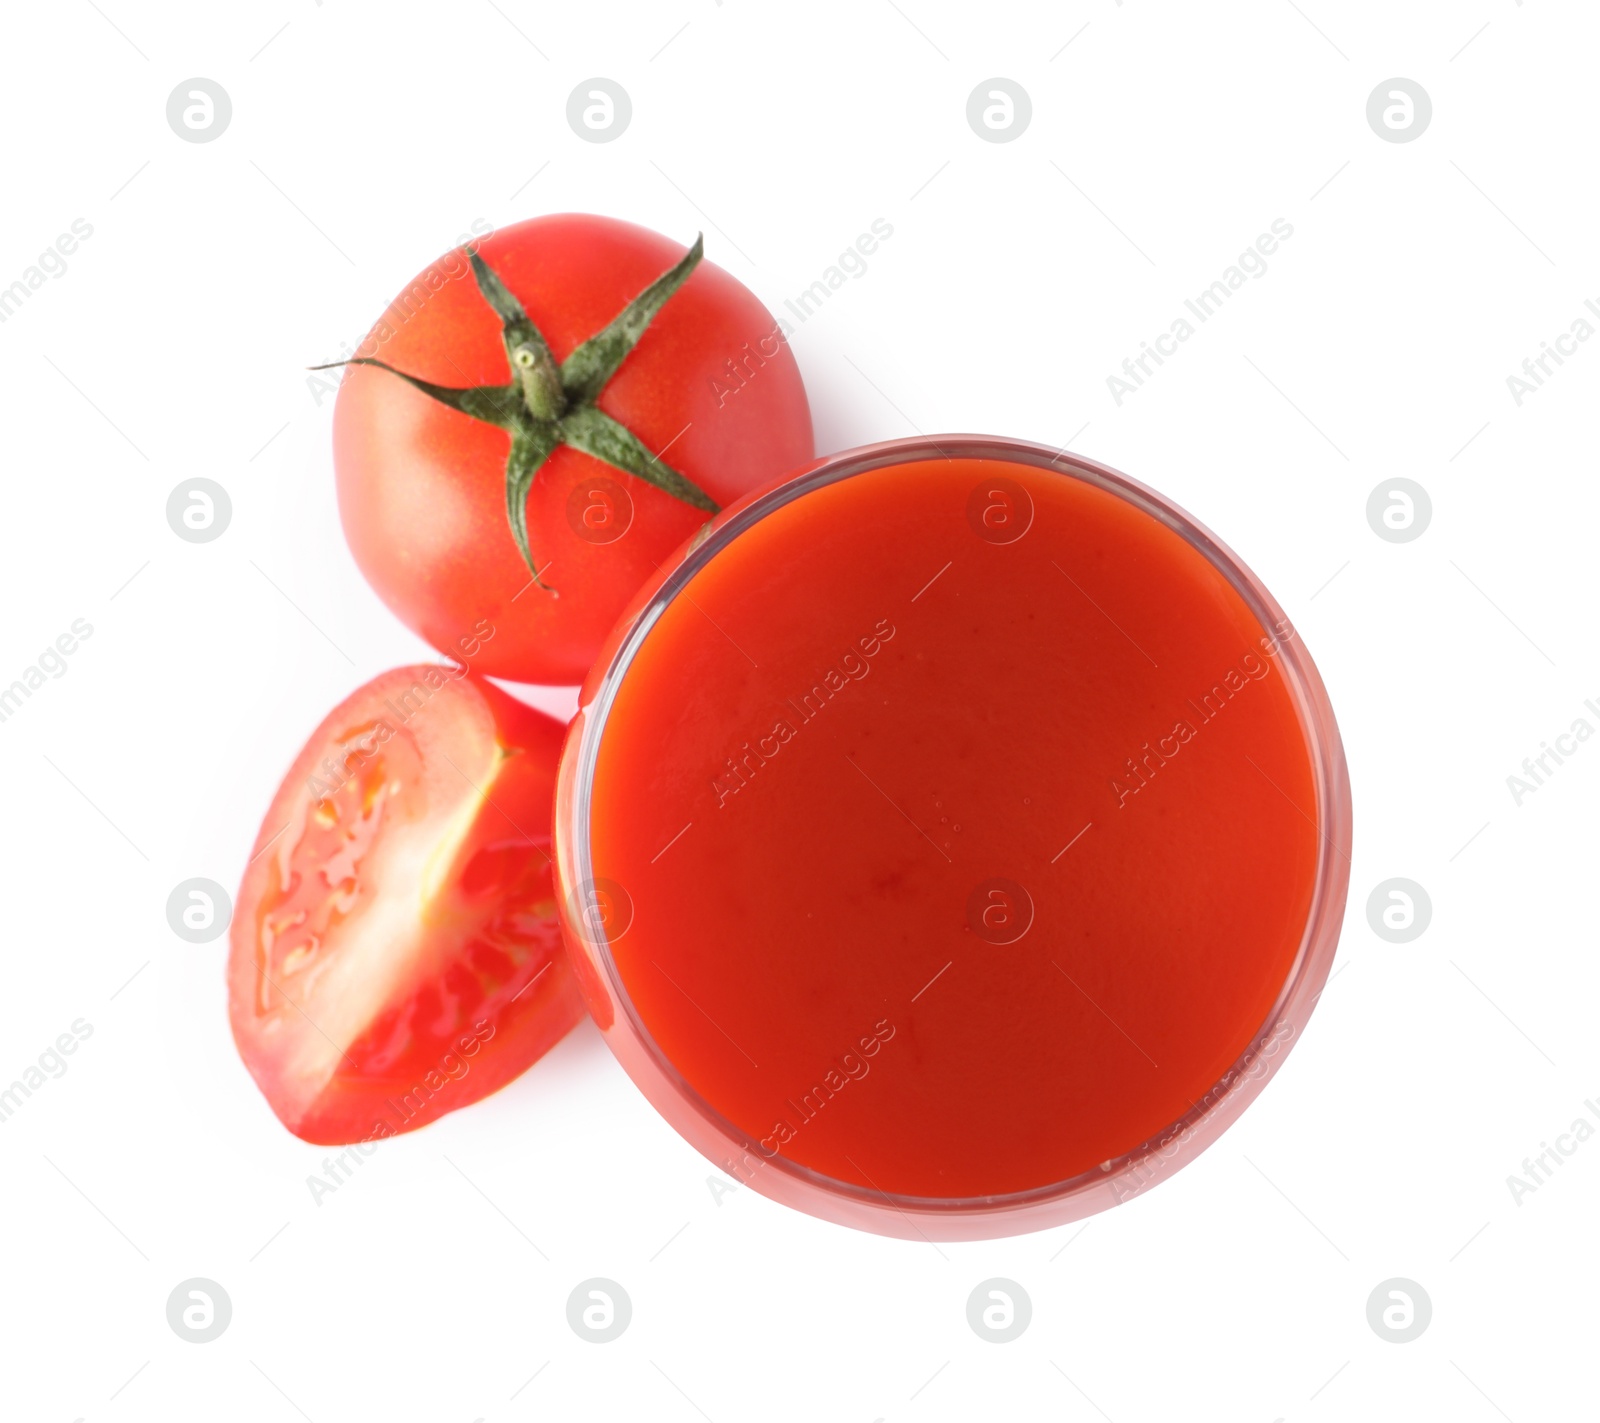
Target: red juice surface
x: 968, y: 826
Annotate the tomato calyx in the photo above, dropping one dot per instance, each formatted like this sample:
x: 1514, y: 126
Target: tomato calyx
x: 546, y: 404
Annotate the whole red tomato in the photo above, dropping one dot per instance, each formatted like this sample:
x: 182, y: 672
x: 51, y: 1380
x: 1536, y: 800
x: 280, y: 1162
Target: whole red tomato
x: 532, y: 427
x: 395, y: 952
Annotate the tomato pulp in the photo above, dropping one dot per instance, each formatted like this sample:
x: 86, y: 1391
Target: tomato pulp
x: 951, y: 833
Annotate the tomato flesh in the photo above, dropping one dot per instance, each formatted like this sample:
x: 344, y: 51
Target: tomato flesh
x: 395, y: 952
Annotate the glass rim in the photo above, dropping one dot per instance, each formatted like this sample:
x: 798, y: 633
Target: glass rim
x: 1182, y: 1139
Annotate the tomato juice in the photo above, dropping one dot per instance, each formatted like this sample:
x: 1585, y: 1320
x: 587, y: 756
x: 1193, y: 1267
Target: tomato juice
x: 954, y: 840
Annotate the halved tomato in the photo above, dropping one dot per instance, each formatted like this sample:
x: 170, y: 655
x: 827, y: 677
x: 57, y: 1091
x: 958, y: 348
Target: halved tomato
x: 395, y: 948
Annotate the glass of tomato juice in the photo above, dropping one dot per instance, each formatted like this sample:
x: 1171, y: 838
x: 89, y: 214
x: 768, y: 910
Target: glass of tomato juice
x: 953, y: 839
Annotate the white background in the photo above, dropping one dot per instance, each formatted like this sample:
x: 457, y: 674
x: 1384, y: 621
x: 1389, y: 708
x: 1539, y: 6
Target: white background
x: 1165, y: 137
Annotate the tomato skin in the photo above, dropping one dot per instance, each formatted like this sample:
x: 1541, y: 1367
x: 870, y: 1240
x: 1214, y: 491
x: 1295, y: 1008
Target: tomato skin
x: 394, y: 950
x: 422, y: 487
